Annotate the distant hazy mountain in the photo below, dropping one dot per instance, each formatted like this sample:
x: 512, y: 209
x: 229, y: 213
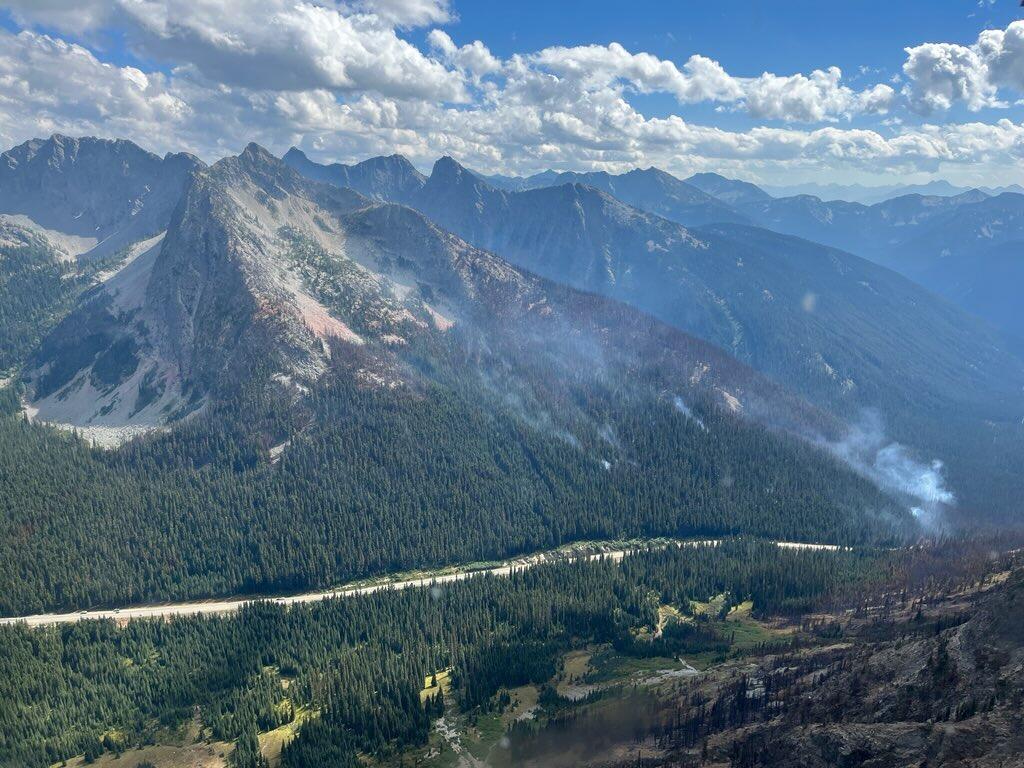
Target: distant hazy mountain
x: 933, y: 240
x: 858, y: 193
x: 728, y: 190
x: 649, y: 189
x: 90, y: 197
x: 842, y: 331
x: 654, y: 191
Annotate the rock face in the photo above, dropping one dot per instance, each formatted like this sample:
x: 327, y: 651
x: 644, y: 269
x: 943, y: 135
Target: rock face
x: 199, y: 311
x: 91, y: 197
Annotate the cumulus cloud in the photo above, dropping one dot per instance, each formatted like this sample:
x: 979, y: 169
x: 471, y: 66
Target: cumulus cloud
x: 940, y: 75
x: 272, y: 44
x: 1004, y: 52
x: 474, y: 58
x: 409, y: 13
x: 47, y: 84
x: 795, y: 98
x: 597, y: 66
x: 353, y: 47
x: 61, y: 15
x: 813, y: 98
x: 78, y: 15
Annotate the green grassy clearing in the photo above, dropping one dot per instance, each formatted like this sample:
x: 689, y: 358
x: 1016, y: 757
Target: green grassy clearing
x: 440, y: 680
x: 747, y: 632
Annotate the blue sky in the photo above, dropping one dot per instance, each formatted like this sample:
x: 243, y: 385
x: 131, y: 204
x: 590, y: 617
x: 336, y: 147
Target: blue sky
x: 775, y: 92
x: 747, y: 37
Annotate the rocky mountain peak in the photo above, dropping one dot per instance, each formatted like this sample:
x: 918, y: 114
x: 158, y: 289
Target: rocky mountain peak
x: 91, y: 197
x: 449, y: 170
x: 391, y: 178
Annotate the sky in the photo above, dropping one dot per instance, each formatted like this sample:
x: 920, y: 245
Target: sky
x: 778, y: 93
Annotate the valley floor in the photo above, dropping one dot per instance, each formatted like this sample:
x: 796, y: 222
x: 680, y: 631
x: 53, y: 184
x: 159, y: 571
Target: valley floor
x: 614, y: 653
x: 613, y: 550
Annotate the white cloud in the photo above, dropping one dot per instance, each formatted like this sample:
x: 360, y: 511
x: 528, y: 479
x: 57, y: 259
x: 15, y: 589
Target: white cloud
x: 795, y: 98
x: 271, y: 44
x: 409, y: 13
x: 813, y: 98
x: 474, y: 58
x: 71, y: 16
x: 47, y: 84
x: 597, y: 66
x: 348, y: 48
x: 64, y: 16
x: 943, y: 74
x: 1004, y: 52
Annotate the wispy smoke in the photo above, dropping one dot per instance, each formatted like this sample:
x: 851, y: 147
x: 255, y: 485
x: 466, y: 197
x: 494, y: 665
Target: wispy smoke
x: 607, y: 433
x: 684, y: 409
x: 892, y: 468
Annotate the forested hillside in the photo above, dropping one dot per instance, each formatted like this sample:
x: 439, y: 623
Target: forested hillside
x: 845, y: 333
x: 378, y: 483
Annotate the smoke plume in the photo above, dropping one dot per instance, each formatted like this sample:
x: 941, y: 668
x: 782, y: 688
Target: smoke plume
x: 684, y: 409
x: 893, y: 468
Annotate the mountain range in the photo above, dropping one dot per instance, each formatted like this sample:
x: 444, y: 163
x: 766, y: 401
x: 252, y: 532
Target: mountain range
x: 910, y: 229
x: 260, y: 267
x: 305, y: 383
x: 962, y: 256
x: 838, y: 329
x: 341, y: 358
x: 869, y: 195
x: 90, y: 198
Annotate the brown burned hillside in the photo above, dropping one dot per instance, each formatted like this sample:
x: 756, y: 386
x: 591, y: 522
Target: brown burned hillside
x: 925, y: 671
